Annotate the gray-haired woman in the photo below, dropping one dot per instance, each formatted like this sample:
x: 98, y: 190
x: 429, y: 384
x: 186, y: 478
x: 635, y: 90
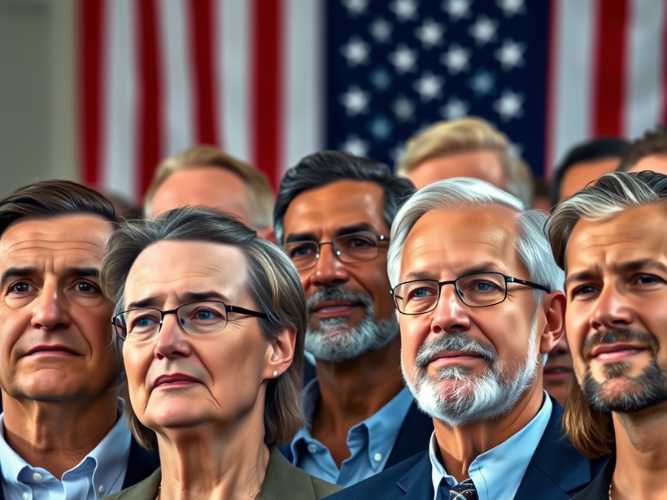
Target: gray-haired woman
x: 210, y: 321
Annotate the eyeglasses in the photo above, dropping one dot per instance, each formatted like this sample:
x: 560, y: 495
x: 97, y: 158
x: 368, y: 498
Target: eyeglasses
x: 354, y: 247
x: 474, y: 290
x: 197, y: 318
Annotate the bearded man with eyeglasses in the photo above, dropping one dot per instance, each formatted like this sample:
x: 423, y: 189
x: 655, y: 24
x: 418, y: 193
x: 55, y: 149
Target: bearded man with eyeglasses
x: 480, y: 305
x: 333, y: 215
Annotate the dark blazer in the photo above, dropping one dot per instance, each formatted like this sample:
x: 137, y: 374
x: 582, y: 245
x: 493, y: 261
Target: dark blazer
x: 413, y: 437
x: 599, y: 487
x: 283, y: 481
x: 556, y: 472
x: 141, y: 464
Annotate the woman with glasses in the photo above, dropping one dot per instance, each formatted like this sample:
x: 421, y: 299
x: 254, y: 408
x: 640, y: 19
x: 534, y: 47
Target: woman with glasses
x: 210, y: 321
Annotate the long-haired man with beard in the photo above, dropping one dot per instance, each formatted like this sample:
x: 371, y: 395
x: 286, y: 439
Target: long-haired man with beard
x: 610, y: 238
x: 480, y: 305
x: 332, y: 217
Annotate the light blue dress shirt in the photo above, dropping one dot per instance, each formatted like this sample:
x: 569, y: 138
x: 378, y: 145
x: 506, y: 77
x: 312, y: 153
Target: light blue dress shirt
x: 497, y: 473
x: 370, y: 441
x: 98, y: 475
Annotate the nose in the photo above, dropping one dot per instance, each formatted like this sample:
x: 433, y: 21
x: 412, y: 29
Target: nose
x: 612, y: 310
x: 329, y: 270
x: 171, y: 341
x: 449, y: 315
x: 50, y: 309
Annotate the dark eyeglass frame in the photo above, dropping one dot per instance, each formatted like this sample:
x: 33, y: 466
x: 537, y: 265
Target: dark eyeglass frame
x: 508, y: 279
x: 337, y: 252
x: 228, y: 309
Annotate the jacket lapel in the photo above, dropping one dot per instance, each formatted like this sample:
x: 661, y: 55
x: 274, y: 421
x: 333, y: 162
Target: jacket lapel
x: 141, y: 464
x: 417, y: 483
x: 413, y: 438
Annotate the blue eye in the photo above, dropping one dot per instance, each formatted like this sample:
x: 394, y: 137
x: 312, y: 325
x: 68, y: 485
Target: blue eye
x: 420, y: 293
x: 204, y: 315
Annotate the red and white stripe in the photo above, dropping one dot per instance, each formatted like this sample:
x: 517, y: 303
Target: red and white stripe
x: 158, y: 76
x: 608, y: 71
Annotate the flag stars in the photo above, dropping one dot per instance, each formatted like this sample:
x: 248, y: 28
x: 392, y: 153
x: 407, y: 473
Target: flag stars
x: 484, y: 30
x: 403, y: 108
x: 456, y: 59
x: 482, y: 83
x: 456, y: 9
x: 355, y: 7
x: 455, y: 108
x: 404, y: 59
x: 381, y: 30
x: 356, y: 146
x: 510, y: 54
x: 381, y: 79
x: 512, y: 7
x: 355, y: 101
x: 356, y: 51
x: 380, y: 127
x: 430, y: 33
x: 510, y: 105
x: 405, y: 10
x: 429, y: 86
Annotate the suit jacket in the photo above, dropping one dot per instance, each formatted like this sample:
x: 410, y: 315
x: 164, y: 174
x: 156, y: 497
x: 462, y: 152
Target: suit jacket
x: 283, y: 481
x: 141, y: 464
x: 556, y: 472
x: 599, y: 487
x: 412, y: 438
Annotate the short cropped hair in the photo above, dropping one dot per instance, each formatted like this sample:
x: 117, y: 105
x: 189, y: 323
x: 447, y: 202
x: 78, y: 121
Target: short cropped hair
x: 272, y: 282
x: 463, y: 135
x: 326, y: 167
x: 654, y: 142
x: 53, y: 198
x: 590, y: 430
x: 462, y: 192
x: 259, y: 190
x: 593, y: 150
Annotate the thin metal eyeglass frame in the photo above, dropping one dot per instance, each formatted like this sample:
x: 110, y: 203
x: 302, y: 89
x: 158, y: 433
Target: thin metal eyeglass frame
x: 508, y: 279
x: 337, y: 252
x: 228, y: 309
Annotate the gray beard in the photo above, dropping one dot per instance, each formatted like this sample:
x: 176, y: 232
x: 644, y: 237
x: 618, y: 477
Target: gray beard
x: 334, y: 341
x: 486, y: 396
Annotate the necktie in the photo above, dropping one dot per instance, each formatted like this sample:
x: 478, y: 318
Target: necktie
x: 463, y: 491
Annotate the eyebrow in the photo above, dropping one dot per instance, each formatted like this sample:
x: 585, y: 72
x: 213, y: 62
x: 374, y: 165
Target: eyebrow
x: 186, y: 298
x: 485, y: 267
x: 342, y: 231
x: 23, y: 272
x: 623, y: 267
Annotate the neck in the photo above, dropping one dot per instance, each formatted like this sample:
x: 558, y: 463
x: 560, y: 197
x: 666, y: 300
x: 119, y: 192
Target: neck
x: 213, y: 460
x: 641, y: 454
x: 460, y: 446
x: 49, y: 434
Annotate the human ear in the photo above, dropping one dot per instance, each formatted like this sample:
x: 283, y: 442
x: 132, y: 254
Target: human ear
x: 280, y: 353
x: 554, y: 327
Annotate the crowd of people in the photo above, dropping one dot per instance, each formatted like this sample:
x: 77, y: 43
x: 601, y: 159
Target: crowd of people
x: 423, y: 335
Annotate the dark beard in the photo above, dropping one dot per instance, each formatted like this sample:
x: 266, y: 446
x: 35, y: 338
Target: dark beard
x: 646, y: 390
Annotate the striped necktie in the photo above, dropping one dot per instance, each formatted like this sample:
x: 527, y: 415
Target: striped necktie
x: 463, y: 491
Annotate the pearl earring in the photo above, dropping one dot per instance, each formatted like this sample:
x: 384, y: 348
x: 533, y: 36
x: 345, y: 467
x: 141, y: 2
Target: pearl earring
x: 275, y: 373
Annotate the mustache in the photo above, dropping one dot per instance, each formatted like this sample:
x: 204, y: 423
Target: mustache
x: 619, y: 335
x: 454, y: 342
x: 338, y: 293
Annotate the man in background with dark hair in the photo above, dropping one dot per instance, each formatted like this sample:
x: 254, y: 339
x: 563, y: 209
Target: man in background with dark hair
x: 584, y: 163
x: 62, y: 434
x: 610, y: 239
x: 647, y: 153
x: 333, y: 215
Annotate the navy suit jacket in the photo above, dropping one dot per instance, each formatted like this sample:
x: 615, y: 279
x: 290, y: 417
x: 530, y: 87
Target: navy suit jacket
x: 599, y: 487
x: 557, y: 471
x: 141, y: 464
x: 413, y: 437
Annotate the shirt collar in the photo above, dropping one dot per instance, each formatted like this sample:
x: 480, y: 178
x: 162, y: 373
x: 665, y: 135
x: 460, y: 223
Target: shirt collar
x: 497, y: 473
x: 382, y: 427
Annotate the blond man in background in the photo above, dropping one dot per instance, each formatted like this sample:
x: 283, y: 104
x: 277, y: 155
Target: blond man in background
x: 208, y: 177
x: 466, y: 147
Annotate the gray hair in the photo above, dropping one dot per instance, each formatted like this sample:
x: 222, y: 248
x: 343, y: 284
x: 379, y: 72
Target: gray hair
x: 610, y: 195
x: 272, y: 281
x: 461, y: 192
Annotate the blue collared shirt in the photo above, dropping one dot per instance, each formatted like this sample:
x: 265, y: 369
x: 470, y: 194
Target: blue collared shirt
x: 98, y: 475
x: 497, y: 473
x: 370, y: 441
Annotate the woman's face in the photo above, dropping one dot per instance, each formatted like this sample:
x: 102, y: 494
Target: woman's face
x: 178, y: 379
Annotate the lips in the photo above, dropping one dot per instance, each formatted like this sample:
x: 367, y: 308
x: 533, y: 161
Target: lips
x: 613, y: 352
x: 52, y: 349
x: 334, y: 307
x: 175, y: 380
x: 453, y: 357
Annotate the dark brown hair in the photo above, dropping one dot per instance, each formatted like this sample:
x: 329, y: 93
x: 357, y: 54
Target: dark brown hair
x: 654, y: 142
x: 53, y: 198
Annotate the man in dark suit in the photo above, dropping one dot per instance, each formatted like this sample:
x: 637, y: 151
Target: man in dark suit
x: 333, y: 215
x: 611, y: 240
x: 63, y: 433
x: 479, y: 302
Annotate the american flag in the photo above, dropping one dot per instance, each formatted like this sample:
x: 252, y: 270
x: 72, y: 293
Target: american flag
x: 270, y: 81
